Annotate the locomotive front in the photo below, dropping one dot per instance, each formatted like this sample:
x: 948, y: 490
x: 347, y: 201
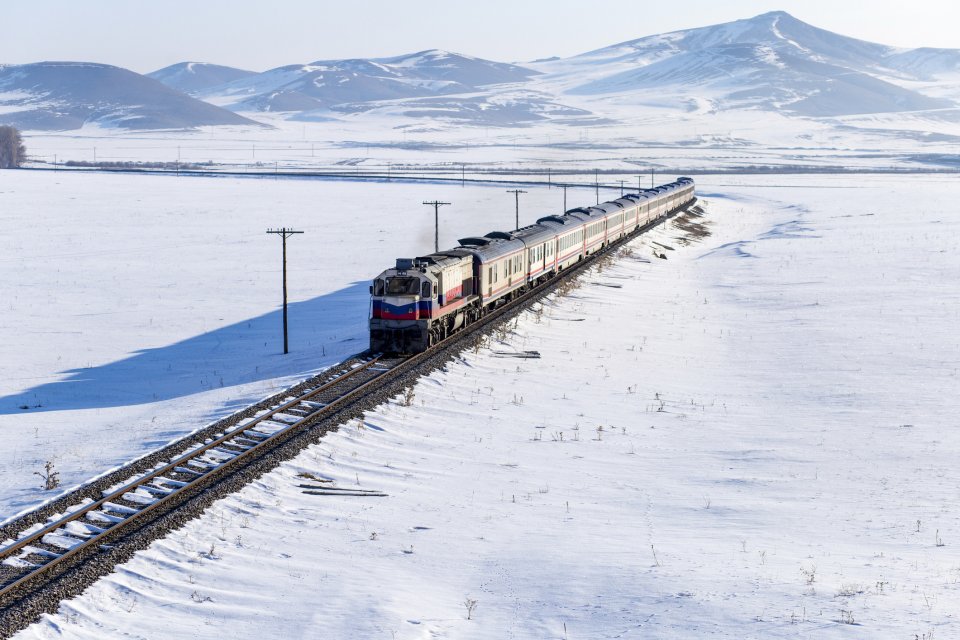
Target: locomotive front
x: 401, y: 308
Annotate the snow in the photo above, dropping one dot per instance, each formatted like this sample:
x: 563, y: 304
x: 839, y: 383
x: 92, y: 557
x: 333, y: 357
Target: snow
x: 791, y: 42
x: 777, y: 455
x: 148, y: 307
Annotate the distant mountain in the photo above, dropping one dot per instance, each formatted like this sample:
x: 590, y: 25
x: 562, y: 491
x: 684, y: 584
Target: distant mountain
x: 925, y: 63
x: 328, y: 83
x: 772, y: 61
x: 196, y: 77
x: 66, y: 95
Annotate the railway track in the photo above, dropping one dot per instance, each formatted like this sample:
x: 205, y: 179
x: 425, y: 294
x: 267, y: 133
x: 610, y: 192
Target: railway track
x: 91, y: 522
x: 47, y: 559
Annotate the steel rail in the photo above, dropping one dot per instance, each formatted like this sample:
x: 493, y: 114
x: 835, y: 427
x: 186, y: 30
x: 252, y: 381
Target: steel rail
x: 19, y: 544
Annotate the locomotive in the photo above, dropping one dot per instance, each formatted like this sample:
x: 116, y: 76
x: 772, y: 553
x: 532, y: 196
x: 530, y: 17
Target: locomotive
x: 421, y: 301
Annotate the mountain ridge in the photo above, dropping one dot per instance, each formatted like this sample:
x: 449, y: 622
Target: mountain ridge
x: 772, y: 62
x: 57, y: 95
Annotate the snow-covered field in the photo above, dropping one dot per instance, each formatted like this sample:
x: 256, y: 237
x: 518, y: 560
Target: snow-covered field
x: 138, y: 308
x: 643, y: 136
x: 753, y: 438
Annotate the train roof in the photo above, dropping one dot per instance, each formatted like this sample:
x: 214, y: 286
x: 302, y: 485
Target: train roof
x: 587, y: 215
x: 626, y: 202
x: 553, y: 219
x: 534, y: 234
x: 612, y: 206
x: 491, y: 246
x: 444, y: 259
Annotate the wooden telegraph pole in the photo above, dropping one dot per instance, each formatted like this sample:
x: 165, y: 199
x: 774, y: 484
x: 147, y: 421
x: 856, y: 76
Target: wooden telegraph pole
x: 284, y: 233
x: 517, y: 192
x: 436, y: 204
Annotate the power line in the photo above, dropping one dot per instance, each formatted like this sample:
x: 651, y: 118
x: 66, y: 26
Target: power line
x: 284, y: 233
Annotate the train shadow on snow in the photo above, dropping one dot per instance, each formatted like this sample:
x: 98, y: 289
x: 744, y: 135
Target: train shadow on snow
x: 323, y: 331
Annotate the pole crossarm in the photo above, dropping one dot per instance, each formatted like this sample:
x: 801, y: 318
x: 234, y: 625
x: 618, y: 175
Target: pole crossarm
x: 283, y: 231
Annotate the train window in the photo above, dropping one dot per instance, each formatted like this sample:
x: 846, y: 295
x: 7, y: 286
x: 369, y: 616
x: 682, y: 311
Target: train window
x: 425, y: 289
x: 378, y: 287
x: 402, y: 286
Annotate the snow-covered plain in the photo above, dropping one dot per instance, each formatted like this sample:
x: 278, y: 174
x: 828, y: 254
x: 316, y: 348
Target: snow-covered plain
x: 138, y: 308
x: 778, y: 406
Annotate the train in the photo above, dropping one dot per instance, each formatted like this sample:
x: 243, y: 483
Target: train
x: 423, y: 300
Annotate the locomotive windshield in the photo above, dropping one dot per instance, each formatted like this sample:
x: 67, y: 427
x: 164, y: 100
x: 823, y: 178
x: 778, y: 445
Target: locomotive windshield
x: 403, y: 287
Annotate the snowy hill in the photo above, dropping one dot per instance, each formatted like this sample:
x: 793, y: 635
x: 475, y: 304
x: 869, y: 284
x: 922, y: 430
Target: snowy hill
x: 772, y: 61
x: 194, y: 77
x: 327, y: 83
x: 67, y: 95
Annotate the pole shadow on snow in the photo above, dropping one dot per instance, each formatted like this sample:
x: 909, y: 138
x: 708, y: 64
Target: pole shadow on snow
x: 323, y: 330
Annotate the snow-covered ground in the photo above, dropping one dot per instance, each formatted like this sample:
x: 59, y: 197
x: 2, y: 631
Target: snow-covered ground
x: 640, y: 136
x: 755, y: 437
x: 138, y: 308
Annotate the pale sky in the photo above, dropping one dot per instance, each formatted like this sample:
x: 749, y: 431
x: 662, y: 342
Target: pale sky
x: 147, y: 35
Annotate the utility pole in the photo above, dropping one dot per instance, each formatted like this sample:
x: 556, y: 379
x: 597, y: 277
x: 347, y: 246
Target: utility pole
x: 516, y: 193
x: 284, y: 233
x: 639, y: 188
x: 436, y: 204
x: 621, y: 187
x: 651, y: 177
x: 564, y: 198
x: 596, y: 183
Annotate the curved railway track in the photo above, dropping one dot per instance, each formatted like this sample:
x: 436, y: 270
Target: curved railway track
x: 63, y: 549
